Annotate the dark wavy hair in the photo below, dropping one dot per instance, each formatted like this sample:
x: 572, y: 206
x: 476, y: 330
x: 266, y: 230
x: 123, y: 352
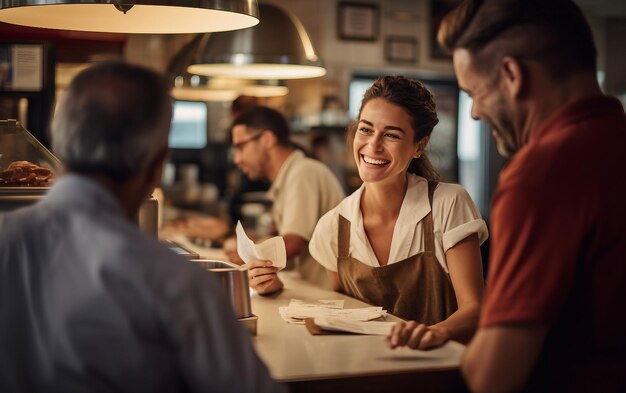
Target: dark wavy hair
x: 417, y: 101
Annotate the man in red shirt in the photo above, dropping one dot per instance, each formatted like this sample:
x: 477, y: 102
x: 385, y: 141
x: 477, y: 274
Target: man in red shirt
x: 554, y: 312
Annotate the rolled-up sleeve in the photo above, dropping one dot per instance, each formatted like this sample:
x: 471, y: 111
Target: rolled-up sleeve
x: 460, y: 217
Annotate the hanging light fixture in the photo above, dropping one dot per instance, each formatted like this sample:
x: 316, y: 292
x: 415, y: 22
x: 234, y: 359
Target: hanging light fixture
x: 202, y: 88
x: 277, y: 48
x: 264, y: 88
x: 219, y: 89
x: 127, y: 16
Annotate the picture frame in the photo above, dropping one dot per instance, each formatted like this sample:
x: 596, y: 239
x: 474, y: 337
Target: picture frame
x: 401, y: 49
x: 358, y: 21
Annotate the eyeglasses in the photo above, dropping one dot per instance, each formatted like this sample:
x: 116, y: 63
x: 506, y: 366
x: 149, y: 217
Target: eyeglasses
x: 240, y: 145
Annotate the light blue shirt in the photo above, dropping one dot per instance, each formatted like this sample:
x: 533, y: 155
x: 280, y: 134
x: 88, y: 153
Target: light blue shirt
x: 88, y: 302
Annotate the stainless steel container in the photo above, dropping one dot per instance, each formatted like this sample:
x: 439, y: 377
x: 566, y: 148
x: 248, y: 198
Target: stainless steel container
x: 148, y: 216
x: 234, y: 282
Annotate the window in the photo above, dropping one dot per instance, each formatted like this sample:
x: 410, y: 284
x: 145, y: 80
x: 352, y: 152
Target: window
x: 189, y: 125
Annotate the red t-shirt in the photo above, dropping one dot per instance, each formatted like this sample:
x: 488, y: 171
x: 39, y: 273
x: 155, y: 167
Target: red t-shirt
x: 558, y: 255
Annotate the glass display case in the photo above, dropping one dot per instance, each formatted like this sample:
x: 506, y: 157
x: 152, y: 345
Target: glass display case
x: 27, y: 168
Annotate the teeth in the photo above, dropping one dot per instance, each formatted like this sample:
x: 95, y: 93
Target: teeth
x: 374, y: 161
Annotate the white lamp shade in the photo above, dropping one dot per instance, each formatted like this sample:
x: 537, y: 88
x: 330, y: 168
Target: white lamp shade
x: 123, y: 16
x: 221, y: 89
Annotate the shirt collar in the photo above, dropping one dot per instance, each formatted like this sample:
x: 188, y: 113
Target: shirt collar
x: 414, y: 208
x: 80, y: 191
x: 415, y: 205
x: 296, y: 155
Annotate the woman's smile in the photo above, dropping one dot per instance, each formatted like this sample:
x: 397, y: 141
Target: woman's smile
x: 374, y: 161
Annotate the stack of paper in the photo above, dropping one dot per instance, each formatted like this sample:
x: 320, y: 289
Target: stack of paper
x: 377, y: 328
x: 297, y: 311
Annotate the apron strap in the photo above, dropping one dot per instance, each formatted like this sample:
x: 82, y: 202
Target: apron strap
x: 343, y: 246
x: 429, y: 230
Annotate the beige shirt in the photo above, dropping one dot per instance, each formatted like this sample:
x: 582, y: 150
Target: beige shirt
x: 304, y: 190
x: 454, y: 218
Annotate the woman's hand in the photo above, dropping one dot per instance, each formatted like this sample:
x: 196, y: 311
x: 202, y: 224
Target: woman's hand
x: 416, y: 336
x: 263, y: 278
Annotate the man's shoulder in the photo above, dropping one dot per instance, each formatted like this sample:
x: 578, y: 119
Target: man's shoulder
x: 307, y: 169
x: 307, y: 163
x: 14, y: 223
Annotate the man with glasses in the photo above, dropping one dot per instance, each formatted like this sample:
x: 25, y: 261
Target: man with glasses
x: 302, y: 190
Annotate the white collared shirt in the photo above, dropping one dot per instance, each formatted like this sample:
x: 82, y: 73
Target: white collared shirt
x: 454, y: 218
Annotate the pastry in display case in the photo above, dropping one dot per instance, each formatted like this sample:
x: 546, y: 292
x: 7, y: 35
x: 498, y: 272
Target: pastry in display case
x: 27, y: 168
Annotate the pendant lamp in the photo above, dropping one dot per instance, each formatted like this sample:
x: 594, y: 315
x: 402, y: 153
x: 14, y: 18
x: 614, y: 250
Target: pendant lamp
x: 202, y: 88
x: 277, y: 48
x: 219, y: 89
x: 128, y: 16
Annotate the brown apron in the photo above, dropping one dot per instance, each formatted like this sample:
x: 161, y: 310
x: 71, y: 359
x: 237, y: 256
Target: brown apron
x: 416, y: 288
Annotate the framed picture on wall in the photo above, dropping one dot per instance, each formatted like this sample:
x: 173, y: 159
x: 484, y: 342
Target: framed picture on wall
x: 401, y: 49
x: 22, y: 67
x: 358, y: 21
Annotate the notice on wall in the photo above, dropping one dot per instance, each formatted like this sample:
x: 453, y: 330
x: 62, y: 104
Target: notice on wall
x: 21, y: 67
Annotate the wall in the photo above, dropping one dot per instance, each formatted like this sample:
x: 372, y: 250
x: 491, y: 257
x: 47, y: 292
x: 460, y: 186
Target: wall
x: 343, y: 58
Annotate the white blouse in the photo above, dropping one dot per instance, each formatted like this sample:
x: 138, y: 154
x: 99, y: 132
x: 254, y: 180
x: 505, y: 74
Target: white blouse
x: 455, y: 217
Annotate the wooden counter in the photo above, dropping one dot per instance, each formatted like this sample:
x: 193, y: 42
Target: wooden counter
x: 345, y: 363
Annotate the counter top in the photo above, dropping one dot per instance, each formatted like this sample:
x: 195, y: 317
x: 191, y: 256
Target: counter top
x: 345, y: 362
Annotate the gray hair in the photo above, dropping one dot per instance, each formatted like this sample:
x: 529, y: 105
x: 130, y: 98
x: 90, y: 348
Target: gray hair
x: 114, y: 120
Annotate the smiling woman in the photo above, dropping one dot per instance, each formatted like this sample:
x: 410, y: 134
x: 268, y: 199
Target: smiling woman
x: 384, y: 142
x: 404, y: 241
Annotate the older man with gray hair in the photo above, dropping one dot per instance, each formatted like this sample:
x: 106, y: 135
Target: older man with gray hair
x: 87, y: 301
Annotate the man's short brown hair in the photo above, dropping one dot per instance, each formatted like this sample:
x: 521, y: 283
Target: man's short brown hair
x: 553, y: 32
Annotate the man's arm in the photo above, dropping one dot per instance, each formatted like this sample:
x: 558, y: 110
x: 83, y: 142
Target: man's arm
x: 501, y: 357
x: 294, y: 245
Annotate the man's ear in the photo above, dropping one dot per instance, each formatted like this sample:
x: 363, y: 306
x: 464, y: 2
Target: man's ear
x: 268, y: 139
x: 512, y: 76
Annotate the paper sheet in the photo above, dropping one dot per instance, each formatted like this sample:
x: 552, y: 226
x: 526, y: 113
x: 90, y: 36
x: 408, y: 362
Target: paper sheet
x: 376, y: 328
x: 296, y: 314
x: 271, y: 249
x: 317, y: 303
